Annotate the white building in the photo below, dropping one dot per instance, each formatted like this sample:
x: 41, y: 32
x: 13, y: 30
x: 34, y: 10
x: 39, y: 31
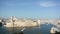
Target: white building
x: 14, y: 22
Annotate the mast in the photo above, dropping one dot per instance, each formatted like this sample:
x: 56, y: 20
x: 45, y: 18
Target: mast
x: 39, y: 22
x: 12, y: 25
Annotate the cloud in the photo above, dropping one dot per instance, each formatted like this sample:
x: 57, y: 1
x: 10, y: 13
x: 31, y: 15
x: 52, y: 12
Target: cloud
x: 47, y: 4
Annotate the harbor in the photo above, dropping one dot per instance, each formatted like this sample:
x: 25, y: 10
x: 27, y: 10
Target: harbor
x: 29, y: 16
x: 14, y: 25
x: 44, y: 29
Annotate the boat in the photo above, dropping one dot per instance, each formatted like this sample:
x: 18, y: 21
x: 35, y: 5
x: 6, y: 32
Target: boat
x: 55, y: 30
x: 0, y: 23
x: 21, y: 32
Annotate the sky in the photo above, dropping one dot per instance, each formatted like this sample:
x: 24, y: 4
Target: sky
x: 30, y: 8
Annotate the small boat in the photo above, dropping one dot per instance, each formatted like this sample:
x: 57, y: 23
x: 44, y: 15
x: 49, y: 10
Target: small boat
x: 21, y: 32
x: 0, y: 23
x: 55, y: 30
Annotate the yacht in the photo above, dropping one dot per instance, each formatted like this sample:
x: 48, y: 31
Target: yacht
x: 55, y: 30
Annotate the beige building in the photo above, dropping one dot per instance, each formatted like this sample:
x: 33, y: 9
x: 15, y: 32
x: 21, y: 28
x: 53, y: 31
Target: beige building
x: 20, y: 23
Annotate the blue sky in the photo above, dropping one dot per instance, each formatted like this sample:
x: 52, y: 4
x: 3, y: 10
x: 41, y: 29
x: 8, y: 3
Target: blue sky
x: 30, y: 8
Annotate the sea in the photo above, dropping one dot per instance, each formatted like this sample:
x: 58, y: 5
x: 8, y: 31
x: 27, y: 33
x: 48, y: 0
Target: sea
x: 41, y: 29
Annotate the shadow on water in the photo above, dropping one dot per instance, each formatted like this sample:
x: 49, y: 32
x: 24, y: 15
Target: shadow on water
x: 0, y: 24
x: 45, y: 28
x: 3, y: 30
x: 32, y: 31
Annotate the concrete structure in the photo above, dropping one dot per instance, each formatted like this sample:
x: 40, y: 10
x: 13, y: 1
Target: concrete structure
x: 0, y: 20
x: 52, y: 21
x: 22, y: 23
x: 14, y: 22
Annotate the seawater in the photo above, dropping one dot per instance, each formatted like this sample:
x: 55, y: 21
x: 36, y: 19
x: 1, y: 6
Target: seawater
x: 43, y: 29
